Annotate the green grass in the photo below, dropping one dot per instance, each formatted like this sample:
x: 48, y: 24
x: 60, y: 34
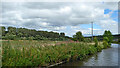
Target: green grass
x: 33, y: 53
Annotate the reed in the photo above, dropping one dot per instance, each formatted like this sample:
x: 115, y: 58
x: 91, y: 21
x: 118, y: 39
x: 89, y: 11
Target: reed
x: 40, y: 53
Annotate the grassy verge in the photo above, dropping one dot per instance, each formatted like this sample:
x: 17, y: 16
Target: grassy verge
x: 32, y: 53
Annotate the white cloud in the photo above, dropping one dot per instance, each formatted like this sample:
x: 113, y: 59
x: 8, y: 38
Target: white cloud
x: 93, y: 29
x: 65, y: 9
x: 57, y: 16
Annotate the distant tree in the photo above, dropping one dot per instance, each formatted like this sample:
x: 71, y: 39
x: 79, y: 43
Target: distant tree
x: 3, y: 30
x: 78, y: 36
x: 108, y: 34
x: 10, y: 36
x: 30, y: 38
x: 38, y: 37
x: 62, y: 34
x: 12, y: 30
x: 31, y: 34
x: 74, y: 38
x: 19, y: 34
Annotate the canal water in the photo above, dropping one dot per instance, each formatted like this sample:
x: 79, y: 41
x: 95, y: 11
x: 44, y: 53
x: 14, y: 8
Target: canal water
x: 108, y: 57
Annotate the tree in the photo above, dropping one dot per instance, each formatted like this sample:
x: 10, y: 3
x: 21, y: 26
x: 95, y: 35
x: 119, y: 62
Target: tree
x: 62, y: 34
x: 30, y: 38
x: 3, y: 30
x: 12, y: 30
x: 108, y: 34
x: 105, y: 33
x: 38, y: 37
x: 110, y: 37
x: 78, y: 36
x: 10, y: 36
x: 19, y: 34
x: 24, y: 33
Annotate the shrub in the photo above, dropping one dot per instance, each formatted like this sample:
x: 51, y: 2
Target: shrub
x: 10, y: 37
x: 106, y: 39
x: 92, y: 50
x: 96, y: 42
x: 87, y: 40
x: 23, y: 38
x: 30, y: 38
x: 99, y: 48
x: 105, y: 43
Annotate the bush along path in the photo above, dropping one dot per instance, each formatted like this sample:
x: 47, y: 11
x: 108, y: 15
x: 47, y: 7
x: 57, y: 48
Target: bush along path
x: 37, y: 56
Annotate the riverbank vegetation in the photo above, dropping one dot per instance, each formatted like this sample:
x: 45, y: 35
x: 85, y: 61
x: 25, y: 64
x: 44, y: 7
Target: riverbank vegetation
x: 26, y: 47
x: 118, y: 42
x: 31, y: 53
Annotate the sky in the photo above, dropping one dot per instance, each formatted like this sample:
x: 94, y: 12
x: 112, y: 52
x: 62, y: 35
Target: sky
x: 67, y: 17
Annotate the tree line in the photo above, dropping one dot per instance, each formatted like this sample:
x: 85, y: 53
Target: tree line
x: 14, y: 33
x: 79, y: 37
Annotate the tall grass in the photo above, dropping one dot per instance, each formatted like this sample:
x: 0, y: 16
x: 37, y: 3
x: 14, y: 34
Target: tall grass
x: 32, y: 53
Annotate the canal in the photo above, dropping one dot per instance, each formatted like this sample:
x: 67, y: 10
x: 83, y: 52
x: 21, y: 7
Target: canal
x: 108, y: 57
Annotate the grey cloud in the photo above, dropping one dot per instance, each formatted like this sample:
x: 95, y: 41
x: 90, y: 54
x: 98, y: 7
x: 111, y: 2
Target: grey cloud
x: 47, y: 5
x: 54, y: 16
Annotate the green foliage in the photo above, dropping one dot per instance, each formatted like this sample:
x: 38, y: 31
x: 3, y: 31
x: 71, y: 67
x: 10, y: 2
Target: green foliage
x: 99, y: 48
x: 106, y: 39
x: 106, y: 42
x: 2, y: 29
x: 32, y: 53
x: 78, y: 37
x: 119, y: 40
x: 96, y: 42
x: 108, y: 34
x: 92, y: 49
x: 12, y: 30
x: 23, y: 38
x: 62, y: 34
x: 20, y: 35
x: 10, y: 37
x: 28, y: 34
x: 87, y: 40
x: 30, y: 38
x: 38, y: 37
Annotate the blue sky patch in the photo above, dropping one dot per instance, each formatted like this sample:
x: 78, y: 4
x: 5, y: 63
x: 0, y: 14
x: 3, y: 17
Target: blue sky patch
x: 106, y: 11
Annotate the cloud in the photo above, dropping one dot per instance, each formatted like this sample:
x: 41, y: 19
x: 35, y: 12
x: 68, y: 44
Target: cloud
x: 93, y: 29
x: 57, y: 16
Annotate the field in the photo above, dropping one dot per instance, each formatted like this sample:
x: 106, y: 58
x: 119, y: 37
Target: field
x: 45, y: 53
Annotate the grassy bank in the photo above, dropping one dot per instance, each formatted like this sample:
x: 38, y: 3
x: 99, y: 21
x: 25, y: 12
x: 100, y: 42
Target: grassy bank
x: 116, y: 42
x: 33, y: 53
